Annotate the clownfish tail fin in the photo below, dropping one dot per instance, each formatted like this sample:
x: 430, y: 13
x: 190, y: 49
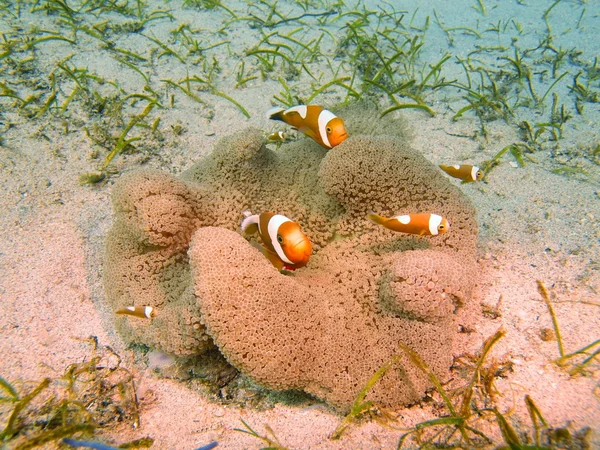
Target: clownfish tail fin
x: 250, y: 222
x: 275, y: 113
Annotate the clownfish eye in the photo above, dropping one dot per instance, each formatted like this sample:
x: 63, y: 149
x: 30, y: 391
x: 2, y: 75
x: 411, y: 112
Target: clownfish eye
x: 329, y: 129
x: 279, y: 239
x: 479, y: 175
x: 441, y: 227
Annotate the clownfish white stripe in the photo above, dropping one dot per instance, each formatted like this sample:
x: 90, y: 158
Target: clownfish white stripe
x: 274, y: 224
x: 300, y: 109
x: 474, y: 171
x: 405, y: 220
x: 283, y: 242
x: 434, y: 223
x: 456, y: 166
x: 324, y: 117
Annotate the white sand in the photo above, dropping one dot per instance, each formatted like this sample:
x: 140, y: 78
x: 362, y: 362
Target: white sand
x: 534, y: 225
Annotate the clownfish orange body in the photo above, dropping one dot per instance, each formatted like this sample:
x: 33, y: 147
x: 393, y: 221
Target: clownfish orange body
x: 465, y: 172
x: 324, y: 127
x: 143, y: 312
x: 284, y: 243
x: 420, y: 223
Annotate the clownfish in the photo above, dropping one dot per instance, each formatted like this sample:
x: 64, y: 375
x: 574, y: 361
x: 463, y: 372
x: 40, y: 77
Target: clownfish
x: 278, y: 137
x: 143, y: 312
x: 324, y: 127
x: 421, y: 223
x: 465, y: 172
x: 284, y: 244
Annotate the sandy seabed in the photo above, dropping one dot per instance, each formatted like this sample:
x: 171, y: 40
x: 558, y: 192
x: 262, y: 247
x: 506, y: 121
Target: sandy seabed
x: 534, y: 225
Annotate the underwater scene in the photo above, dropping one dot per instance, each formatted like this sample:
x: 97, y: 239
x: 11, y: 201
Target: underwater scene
x: 299, y: 224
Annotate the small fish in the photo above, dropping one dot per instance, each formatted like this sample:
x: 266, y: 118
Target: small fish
x: 101, y: 446
x: 465, y: 172
x: 421, y: 223
x: 278, y: 137
x: 143, y: 312
x: 284, y: 244
x: 208, y: 446
x: 88, y: 444
x: 324, y: 127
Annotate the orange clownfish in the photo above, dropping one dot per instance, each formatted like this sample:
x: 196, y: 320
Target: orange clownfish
x: 465, y: 172
x: 143, y: 312
x: 324, y: 127
x: 421, y: 224
x: 284, y: 244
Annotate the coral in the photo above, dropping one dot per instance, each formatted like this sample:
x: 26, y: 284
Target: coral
x: 309, y: 331
x: 325, y: 328
x: 385, y: 175
x: 425, y: 285
x: 244, y: 175
x: 364, y: 118
x: 146, y: 261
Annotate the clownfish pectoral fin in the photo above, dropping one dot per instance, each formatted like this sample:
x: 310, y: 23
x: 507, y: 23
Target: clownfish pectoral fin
x: 310, y: 133
x: 274, y: 259
x: 271, y: 256
x: 375, y: 218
